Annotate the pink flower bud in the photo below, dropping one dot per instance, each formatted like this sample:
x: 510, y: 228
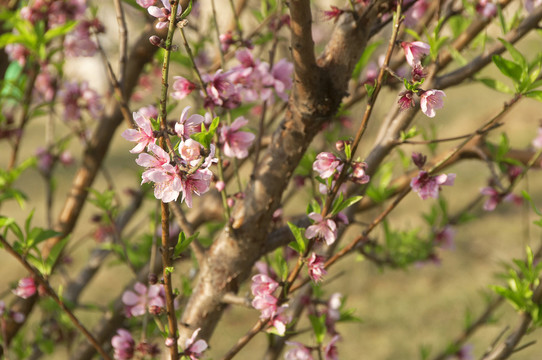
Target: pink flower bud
x: 220, y: 185
x: 26, y: 288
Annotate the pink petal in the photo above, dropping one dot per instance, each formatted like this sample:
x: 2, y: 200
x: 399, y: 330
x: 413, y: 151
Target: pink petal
x: 155, y: 11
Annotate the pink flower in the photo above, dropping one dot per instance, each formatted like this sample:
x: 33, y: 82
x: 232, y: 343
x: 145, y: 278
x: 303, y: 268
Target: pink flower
x: 333, y: 308
x: 445, y: 237
x: 194, y: 349
x: 263, y: 285
x: 45, y: 160
x: 145, y: 3
x: 163, y: 14
x: 280, y: 320
x: 300, y: 352
x: 143, y: 136
x: 236, y: 143
x: 182, y: 88
x: 76, y: 97
x: 415, y: 13
x: 17, y: 52
x: 431, y: 100
x: 267, y: 304
x: 325, y: 164
x: 220, y: 91
x: 66, y: 158
x: 406, y: 100
x: 415, y: 51
x: 429, y: 186
x: 358, y: 174
x: 537, y: 142
x: 15, y: 315
x: 190, y: 150
x: 123, y: 343
x: 315, y: 264
x: 330, y: 351
x: 197, y: 183
x: 322, y: 228
x: 226, y: 40
x: 188, y: 126
x: 282, y: 75
x: 486, y: 8
x: 168, y: 184
x: 530, y: 5
x: 79, y: 42
x: 333, y: 14
x: 143, y: 298
x: 149, y: 112
x: 45, y: 85
x: 25, y: 288
x: 494, y: 198
x: 465, y: 353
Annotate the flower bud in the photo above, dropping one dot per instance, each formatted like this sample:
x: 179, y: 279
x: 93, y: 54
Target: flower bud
x: 155, y: 40
x: 339, y: 145
x: 419, y: 160
x: 153, y: 279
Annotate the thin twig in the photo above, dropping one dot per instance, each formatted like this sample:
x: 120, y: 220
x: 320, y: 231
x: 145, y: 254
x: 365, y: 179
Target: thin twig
x: 37, y: 275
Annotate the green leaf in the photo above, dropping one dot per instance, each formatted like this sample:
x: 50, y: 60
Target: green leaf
x: 496, y: 85
x: 53, y: 256
x: 364, y: 59
x: 206, y: 136
x: 502, y: 20
x: 527, y: 197
x: 508, y: 68
x: 182, y: 243
x: 59, y: 30
x: 299, y: 237
x: 10, y: 38
x: 319, y: 327
x: 344, y: 204
x: 187, y: 11
x: 413, y: 33
x: 534, y: 94
x: 370, y: 89
x: 516, y: 55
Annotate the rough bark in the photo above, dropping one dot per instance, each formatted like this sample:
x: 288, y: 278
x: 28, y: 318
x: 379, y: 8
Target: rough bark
x: 317, y: 93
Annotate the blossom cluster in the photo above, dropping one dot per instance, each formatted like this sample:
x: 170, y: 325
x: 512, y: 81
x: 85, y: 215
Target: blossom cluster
x: 331, y: 311
x: 54, y: 14
x: 77, y: 42
x: 252, y: 80
x: 425, y: 184
x: 187, y: 173
x: 327, y: 165
x: 262, y: 288
x: 430, y: 100
x: 125, y: 348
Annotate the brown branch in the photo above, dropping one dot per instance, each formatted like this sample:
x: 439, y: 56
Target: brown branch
x: 305, y: 69
x: 37, y: 276
x: 230, y: 258
x: 141, y: 54
x: 508, y: 347
x: 459, y: 75
x: 123, y: 40
x: 467, y: 333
